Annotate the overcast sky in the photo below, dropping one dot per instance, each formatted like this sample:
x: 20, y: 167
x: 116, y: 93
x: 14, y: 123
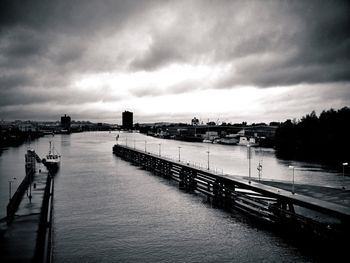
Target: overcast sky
x: 230, y: 61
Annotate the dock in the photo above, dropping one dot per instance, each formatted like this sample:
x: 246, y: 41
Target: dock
x: 25, y: 233
x: 269, y: 203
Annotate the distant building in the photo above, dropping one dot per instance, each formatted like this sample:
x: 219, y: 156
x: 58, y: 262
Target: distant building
x: 27, y: 127
x: 127, y: 120
x: 65, y: 122
x: 195, y: 121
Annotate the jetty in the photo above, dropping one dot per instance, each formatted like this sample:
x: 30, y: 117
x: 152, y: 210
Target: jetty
x: 271, y: 204
x: 26, y: 232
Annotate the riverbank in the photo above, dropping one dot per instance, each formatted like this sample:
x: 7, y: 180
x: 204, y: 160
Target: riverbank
x: 13, y: 138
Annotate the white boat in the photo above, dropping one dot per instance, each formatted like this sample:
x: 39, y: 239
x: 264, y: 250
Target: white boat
x: 228, y: 141
x: 53, y: 159
x: 245, y: 141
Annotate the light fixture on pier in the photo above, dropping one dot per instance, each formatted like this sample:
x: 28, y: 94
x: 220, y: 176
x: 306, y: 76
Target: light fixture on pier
x: 10, y: 185
x: 179, y: 153
x: 344, y: 164
x: 292, y: 167
x: 249, y: 161
x: 208, y: 152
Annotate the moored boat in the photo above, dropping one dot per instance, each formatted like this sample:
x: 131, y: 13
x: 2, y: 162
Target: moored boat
x: 228, y: 141
x: 245, y: 141
x: 53, y: 159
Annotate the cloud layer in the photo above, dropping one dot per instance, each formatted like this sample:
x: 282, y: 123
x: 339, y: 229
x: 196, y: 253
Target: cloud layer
x: 94, y: 58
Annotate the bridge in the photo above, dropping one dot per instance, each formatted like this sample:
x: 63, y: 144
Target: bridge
x: 269, y: 204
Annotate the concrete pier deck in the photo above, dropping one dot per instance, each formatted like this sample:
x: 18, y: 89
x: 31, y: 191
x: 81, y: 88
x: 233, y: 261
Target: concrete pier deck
x: 18, y: 240
x: 329, y: 194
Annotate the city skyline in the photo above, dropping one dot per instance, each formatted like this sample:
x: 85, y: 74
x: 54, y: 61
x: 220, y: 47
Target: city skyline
x: 232, y: 61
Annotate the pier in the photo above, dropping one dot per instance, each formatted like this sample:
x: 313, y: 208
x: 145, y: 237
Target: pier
x: 26, y: 232
x: 271, y: 204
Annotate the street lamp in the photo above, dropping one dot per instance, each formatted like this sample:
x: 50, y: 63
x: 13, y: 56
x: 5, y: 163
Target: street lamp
x: 159, y: 148
x: 292, y: 167
x: 249, y: 162
x: 344, y: 164
x: 134, y: 144
x: 145, y: 146
x: 10, y: 184
x: 179, y: 153
x: 208, y: 158
x: 126, y: 141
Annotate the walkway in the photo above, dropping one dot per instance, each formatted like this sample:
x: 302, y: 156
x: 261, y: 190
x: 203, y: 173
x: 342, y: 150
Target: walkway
x: 18, y: 240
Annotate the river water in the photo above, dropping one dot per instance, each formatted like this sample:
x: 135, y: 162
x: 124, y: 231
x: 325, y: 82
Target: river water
x: 107, y: 210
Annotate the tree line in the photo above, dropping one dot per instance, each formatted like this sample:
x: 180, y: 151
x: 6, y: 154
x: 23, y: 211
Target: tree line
x: 324, y: 138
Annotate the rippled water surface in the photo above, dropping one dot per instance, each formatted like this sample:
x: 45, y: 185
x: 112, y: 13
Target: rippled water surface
x: 107, y: 210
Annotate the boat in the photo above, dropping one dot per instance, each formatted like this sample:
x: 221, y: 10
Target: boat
x: 228, y: 141
x: 189, y: 138
x: 53, y: 159
x: 245, y: 141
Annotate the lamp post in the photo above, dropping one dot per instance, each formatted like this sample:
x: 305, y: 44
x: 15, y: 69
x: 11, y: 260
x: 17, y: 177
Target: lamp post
x: 126, y: 141
x: 10, y: 185
x: 292, y: 167
x: 145, y: 146
x: 160, y: 145
x: 134, y: 144
x: 344, y: 164
x: 179, y: 153
x: 208, y: 158
x: 249, y: 162
x: 259, y: 168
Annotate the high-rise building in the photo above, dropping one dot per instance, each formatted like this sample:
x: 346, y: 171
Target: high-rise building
x: 65, y: 122
x: 127, y: 119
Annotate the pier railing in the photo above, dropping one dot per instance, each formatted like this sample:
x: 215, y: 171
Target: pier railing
x: 15, y: 200
x: 264, y: 202
x: 43, y: 250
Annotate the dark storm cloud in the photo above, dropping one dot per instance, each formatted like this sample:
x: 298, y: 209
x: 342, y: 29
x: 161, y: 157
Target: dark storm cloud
x: 47, y: 46
x: 53, y: 96
x: 13, y: 81
x: 270, y: 43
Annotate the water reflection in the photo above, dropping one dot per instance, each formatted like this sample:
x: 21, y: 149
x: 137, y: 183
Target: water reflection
x: 233, y: 160
x: 107, y: 210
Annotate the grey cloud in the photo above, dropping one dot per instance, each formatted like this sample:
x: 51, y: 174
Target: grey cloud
x: 146, y: 92
x: 7, y: 82
x: 46, y: 45
x: 315, y: 32
x: 181, y: 87
x: 28, y: 96
x: 54, y: 111
x: 48, y: 34
x: 321, y: 48
x: 158, y: 55
x: 303, y: 99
